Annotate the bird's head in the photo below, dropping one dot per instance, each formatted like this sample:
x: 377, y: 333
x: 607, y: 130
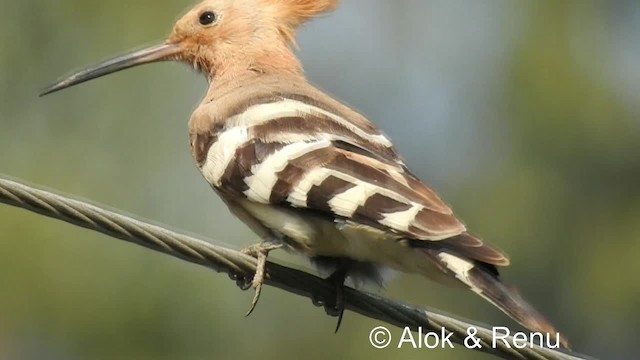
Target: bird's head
x: 222, y: 37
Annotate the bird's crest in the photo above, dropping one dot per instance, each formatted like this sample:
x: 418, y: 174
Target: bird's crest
x: 292, y: 13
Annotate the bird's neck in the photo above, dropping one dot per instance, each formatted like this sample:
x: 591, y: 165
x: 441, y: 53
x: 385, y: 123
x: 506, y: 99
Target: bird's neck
x: 279, y: 60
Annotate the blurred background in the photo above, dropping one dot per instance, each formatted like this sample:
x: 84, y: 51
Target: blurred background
x: 524, y: 115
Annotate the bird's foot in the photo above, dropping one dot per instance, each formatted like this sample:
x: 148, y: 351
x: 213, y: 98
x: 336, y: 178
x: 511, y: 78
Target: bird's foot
x: 338, y: 278
x: 260, y: 252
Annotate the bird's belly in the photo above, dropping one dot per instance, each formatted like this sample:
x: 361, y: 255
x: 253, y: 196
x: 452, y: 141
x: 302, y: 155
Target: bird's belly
x: 315, y: 235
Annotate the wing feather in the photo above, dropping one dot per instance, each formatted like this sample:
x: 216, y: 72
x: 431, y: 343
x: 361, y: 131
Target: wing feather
x: 300, y: 152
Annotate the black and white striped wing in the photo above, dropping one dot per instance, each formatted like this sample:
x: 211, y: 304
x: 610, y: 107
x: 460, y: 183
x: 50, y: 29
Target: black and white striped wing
x: 286, y: 152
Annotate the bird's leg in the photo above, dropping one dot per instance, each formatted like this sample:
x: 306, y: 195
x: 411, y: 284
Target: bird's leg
x: 260, y: 252
x: 338, y: 278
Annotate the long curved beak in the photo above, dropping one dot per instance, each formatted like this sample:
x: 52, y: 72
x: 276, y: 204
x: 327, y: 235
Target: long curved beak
x: 145, y: 56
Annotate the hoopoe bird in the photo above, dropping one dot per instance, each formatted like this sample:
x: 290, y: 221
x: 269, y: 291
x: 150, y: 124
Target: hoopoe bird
x: 304, y: 171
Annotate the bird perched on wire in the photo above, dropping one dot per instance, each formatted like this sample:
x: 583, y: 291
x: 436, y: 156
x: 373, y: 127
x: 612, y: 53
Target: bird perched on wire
x: 305, y: 171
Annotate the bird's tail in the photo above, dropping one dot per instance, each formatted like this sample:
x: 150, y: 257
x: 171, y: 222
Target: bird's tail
x: 483, y: 279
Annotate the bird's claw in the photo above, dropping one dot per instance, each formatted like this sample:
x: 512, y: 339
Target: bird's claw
x: 260, y: 252
x: 338, y: 278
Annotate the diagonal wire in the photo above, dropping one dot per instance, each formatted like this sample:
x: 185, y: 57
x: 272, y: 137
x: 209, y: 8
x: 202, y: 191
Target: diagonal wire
x: 240, y: 267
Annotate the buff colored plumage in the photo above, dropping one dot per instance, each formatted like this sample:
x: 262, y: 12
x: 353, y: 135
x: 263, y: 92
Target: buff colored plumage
x: 304, y: 171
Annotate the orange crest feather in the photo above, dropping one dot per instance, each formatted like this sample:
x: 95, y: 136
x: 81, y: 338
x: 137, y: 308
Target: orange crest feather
x: 293, y: 13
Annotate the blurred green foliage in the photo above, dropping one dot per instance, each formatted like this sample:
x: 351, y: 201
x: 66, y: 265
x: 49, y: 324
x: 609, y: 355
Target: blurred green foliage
x: 524, y: 115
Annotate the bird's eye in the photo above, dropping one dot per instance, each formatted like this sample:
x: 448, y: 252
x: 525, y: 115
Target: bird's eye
x: 208, y: 18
